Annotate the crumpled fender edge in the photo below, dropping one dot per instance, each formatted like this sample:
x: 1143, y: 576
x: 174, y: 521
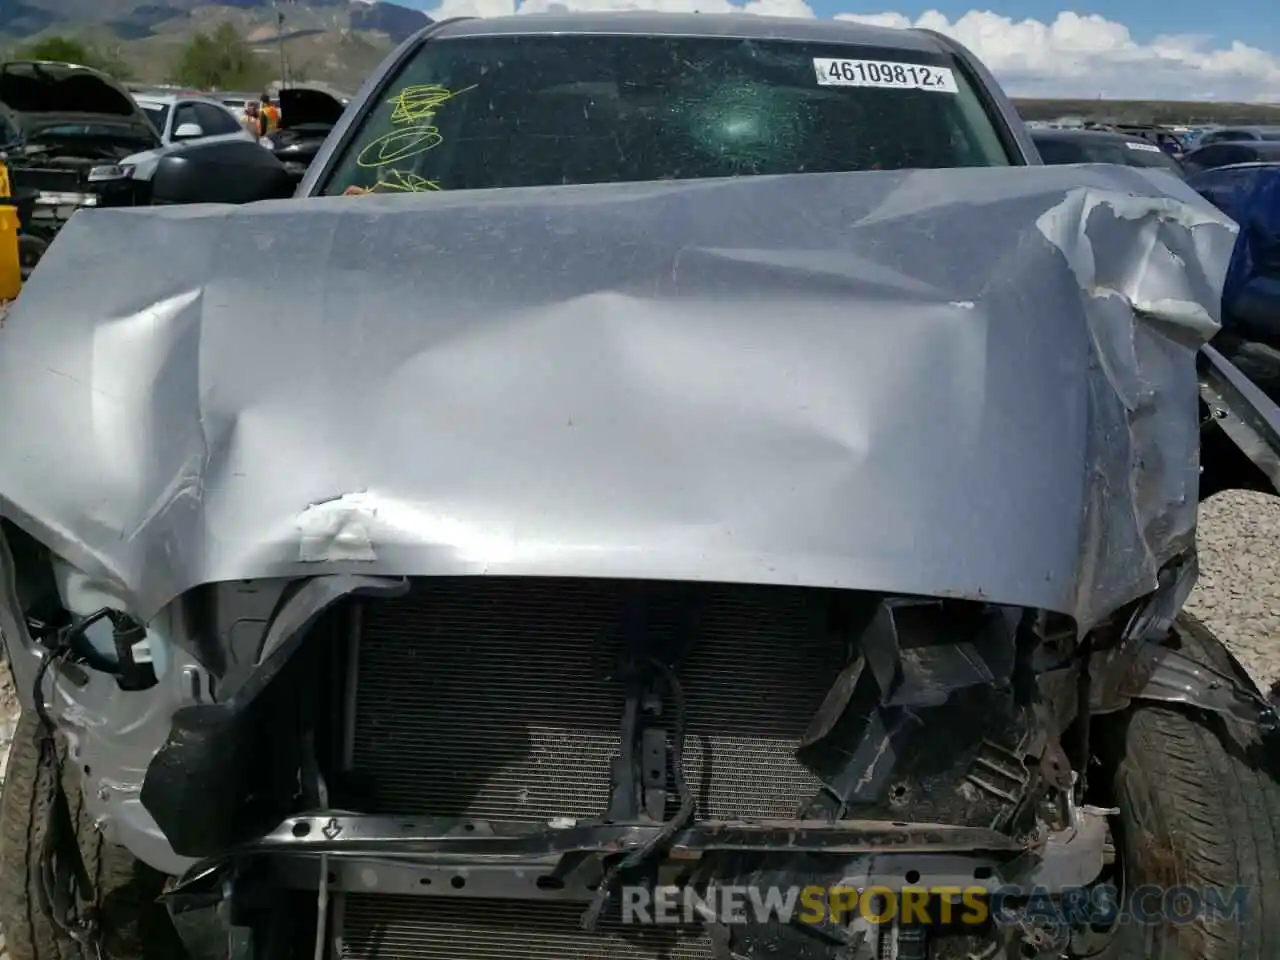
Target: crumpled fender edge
x: 195, y: 783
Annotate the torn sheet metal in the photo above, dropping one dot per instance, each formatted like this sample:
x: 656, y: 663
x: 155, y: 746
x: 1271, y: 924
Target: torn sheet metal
x: 974, y: 383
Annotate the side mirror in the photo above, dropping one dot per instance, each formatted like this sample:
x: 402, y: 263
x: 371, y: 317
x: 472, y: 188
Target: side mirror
x: 188, y: 131
x: 226, y: 171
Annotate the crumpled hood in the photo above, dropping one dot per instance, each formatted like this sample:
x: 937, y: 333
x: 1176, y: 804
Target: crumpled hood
x: 973, y: 383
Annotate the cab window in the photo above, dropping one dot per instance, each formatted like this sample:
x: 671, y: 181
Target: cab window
x: 485, y: 112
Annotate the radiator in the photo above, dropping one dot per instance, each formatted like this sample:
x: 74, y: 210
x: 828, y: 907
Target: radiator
x: 413, y: 928
x: 492, y: 698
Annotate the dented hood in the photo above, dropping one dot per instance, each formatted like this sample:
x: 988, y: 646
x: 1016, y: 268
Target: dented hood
x: 974, y: 383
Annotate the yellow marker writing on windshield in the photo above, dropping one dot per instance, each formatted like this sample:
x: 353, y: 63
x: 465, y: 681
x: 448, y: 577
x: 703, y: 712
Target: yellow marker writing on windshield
x: 413, y: 111
x: 419, y: 102
x: 404, y: 181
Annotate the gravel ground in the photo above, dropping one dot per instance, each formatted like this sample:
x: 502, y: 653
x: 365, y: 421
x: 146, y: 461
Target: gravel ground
x: 1238, y: 595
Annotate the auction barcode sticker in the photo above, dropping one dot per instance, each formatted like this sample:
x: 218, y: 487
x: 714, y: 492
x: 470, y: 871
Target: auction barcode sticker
x: 885, y: 74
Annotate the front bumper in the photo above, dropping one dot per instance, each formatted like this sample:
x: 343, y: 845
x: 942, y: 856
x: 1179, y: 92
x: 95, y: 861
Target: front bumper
x: 56, y: 197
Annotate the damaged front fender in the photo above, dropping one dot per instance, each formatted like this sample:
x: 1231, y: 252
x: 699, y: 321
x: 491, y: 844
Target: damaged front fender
x: 151, y: 760
x: 199, y: 769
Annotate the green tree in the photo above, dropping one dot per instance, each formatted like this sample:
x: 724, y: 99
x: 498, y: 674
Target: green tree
x: 220, y: 60
x: 71, y: 50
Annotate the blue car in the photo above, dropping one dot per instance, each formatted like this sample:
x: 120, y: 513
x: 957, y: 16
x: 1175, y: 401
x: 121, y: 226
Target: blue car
x: 1249, y: 193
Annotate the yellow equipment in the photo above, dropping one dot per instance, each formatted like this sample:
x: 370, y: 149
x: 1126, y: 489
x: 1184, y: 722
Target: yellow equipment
x: 10, y: 265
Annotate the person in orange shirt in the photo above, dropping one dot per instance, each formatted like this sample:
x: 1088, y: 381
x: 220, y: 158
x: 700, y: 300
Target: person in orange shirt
x: 269, y: 116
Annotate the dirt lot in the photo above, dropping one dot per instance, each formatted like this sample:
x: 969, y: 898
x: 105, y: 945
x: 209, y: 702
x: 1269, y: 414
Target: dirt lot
x: 1238, y: 595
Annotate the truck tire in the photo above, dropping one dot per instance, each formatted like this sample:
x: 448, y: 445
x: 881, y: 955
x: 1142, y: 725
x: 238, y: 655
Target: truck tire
x: 1199, y: 807
x: 133, y: 926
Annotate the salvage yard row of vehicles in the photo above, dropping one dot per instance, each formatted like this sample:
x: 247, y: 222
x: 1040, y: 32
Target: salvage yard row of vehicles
x: 1220, y: 148
x: 650, y: 484
x: 73, y: 138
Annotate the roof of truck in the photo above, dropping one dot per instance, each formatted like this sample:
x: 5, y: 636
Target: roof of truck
x: 655, y: 23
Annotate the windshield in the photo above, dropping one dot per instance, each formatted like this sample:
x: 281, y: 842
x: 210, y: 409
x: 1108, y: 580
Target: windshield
x: 115, y: 132
x: 157, y: 113
x: 533, y: 111
x: 1128, y: 153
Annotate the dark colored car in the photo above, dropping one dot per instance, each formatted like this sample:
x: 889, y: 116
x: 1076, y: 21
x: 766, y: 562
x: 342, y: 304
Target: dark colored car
x: 1091, y: 146
x: 1168, y: 141
x: 64, y: 122
x: 1231, y: 153
x: 1250, y: 194
x: 378, y: 626
x: 9, y: 128
x: 1239, y: 135
x: 306, y: 118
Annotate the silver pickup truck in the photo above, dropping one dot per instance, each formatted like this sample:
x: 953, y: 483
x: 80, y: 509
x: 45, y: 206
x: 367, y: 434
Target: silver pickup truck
x: 661, y: 487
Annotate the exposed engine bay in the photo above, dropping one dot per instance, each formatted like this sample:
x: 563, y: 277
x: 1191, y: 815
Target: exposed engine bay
x: 520, y: 749
x: 58, y: 170
x: 66, y: 122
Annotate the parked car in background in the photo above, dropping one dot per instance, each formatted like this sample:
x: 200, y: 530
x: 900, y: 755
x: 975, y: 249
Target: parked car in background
x: 234, y: 101
x: 1093, y: 146
x: 183, y: 118
x: 1249, y: 193
x: 8, y: 127
x: 1231, y: 188
x: 306, y: 117
x: 1230, y: 153
x: 1238, y: 134
x: 64, y: 121
x: 30, y: 247
x: 1162, y: 137
x: 74, y: 137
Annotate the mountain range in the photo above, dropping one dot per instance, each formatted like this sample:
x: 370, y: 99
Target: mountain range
x: 136, y: 19
x: 338, y: 41
x: 341, y: 41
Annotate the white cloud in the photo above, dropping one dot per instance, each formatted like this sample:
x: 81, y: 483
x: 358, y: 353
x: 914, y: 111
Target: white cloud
x: 1089, y: 56
x: 1077, y: 55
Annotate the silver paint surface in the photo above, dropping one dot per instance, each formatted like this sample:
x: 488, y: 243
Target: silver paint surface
x: 974, y: 383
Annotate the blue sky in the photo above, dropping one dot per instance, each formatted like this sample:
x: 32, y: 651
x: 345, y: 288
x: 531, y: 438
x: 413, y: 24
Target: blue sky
x: 1254, y: 21
x: 1257, y: 21
x: 1171, y: 49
